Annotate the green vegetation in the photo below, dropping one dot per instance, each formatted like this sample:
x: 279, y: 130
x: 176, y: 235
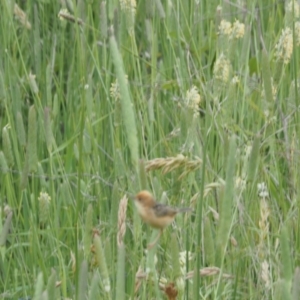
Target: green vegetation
x: 196, y: 101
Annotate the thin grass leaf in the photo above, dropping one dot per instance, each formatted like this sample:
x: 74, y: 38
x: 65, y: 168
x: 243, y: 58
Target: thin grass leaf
x: 224, y: 226
x: 175, y: 264
x: 126, y: 102
x: 49, y: 84
x: 142, y: 175
x: 94, y: 292
x: 48, y: 130
x: 43, y: 178
x: 44, y: 296
x: 83, y: 281
x: 24, y: 176
x: 7, y: 148
x: 87, y: 145
x: 281, y: 290
x: 32, y: 140
x: 116, y: 23
x: 90, y: 109
x: 296, y: 285
x: 2, y: 86
x: 209, y: 243
x: 3, y: 164
x: 51, y: 289
x: 286, y: 263
x: 160, y: 9
x: 39, y: 285
x: 5, y: 229
x: 87, y: 233
x: 120, y: 278
x: 253, y: 160
x: 36, y: 42
x: 21, y: 130
x: 266, y: 76
x: 114, y: 203
x: 103, y: 20
x: 102, y: 264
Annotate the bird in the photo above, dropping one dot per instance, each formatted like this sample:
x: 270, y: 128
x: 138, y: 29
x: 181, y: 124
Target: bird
x: 157, y: 215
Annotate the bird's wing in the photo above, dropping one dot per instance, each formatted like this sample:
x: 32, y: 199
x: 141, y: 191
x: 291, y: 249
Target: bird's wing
x: 162, y: 210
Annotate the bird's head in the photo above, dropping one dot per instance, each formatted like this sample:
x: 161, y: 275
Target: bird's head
x: 144, y: 198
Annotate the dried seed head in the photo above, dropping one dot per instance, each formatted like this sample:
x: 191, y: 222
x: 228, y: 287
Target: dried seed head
x: 193, y: 100
x: 284, y: 47
x: 265, y: 274
x: 238, y: 30
x: 122, y: 220
x: 21, y: 16
x: 128, y: 6
x: 222, y: 69
x: 44, y: 207
x: 65, y: 15
x: 297, y: 33
x: 225, y: 28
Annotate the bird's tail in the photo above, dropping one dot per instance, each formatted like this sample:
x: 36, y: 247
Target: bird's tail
x: 184, y: 209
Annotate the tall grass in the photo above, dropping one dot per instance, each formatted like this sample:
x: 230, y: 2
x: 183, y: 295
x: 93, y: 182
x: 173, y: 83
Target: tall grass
x: 196, y: 101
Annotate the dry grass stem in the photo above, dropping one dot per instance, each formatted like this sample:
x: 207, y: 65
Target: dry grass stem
x: 208, y: 272
x: 262, y: 246
x: 65, y: 15
x: 139, y: 277
x: 233, y: 241
x: 215, y: 213
x: 122, y: 220
x: 169, y: 164
x: 263, y: 224
x: 207, y: 189
x: 213, y: 185
x: 73, y: 261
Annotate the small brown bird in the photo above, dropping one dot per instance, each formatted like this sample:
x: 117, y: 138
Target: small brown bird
x: 155, y: 214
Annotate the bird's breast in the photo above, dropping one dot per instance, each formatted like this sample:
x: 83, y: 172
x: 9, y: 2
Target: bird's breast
x: 149, y: 216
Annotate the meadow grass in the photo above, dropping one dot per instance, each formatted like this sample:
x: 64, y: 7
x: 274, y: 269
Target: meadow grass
x: 196, y: 101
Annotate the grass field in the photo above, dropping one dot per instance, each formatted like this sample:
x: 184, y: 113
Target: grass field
x: 196, y: 101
